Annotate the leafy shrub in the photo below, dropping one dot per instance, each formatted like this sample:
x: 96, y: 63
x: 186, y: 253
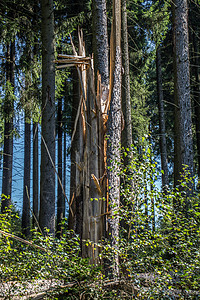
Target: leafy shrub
x: 158, y: 247
x: 44, y: 258
x: 160, y: 234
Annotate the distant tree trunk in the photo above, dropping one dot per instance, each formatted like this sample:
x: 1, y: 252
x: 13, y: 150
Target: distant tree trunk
x: 8, y: 129
x: 64, y: 170
x: 75, y: 220
x: 163, y: 144
x: 146, y: 204
x: 127, y: 139
x: 35, y: 175
x: 79, y: 179
x: 153, y: 217
x: 65, y: 145
x: 101, y: 39
x: 27, y: 148
x: 183, y: 120
x: 74, y: 148
x: 114, y: 131
x: 60, y: 202
x: 47, y: 178
x: 197, y: 94
x: 27, y: 170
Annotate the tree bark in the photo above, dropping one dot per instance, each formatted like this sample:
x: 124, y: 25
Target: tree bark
x: 8, y: 129
x: 183, y: 120
x: 100, y: 35
x: 47, y: 178
x: 197, y: 95
x: 127, y: 139
x: 113, y: 157
x: 163, y: 144
x: 60, y: 202
x: 114, y: 132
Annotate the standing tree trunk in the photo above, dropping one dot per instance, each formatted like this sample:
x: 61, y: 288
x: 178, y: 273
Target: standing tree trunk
x: 35, y: 175
x: 35, y: 170
x: 65, y: 142
x: 8, y: 128
x: 114, y: 131
x: 101, y: 40
x: 75, y: 220
x: 183, y: 120
x: 64, y: 169
x: 197, y: 94
x: 127, y: 139
x: 72, y: 220
x: 27, y: 170
x: 163, y: 144
x: 27, y: 148
x: 60, y: 202
x: 47, y: 178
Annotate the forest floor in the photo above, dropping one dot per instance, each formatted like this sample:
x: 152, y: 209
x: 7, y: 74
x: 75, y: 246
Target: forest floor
x: 36, y: 289
x: 49, y: 289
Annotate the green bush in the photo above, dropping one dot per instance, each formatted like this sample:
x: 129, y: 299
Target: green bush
x: 43, y: 258
x: 158, y: 247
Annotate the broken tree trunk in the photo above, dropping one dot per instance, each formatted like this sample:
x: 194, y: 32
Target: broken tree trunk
x: 93, y: 208
x: 87, y: 207
x: 88, y: 180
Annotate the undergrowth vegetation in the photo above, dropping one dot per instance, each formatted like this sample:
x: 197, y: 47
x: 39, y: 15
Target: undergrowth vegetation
x: 159, y: 246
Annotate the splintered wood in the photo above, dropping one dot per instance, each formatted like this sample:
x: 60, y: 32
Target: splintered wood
x: 72, y: 61
x: 88, y: 185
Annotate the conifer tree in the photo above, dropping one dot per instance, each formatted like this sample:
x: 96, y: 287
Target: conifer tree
x: 114, y: 131
x: 47, y: 177
x: 163, y: 144
x: 8, y: 127
x: 183, y: 114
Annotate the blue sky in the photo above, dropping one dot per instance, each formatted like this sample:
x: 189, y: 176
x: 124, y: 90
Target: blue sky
x: 18, y: 166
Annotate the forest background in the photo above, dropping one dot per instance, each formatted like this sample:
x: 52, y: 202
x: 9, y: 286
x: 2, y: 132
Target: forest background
x: 108, y: 94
